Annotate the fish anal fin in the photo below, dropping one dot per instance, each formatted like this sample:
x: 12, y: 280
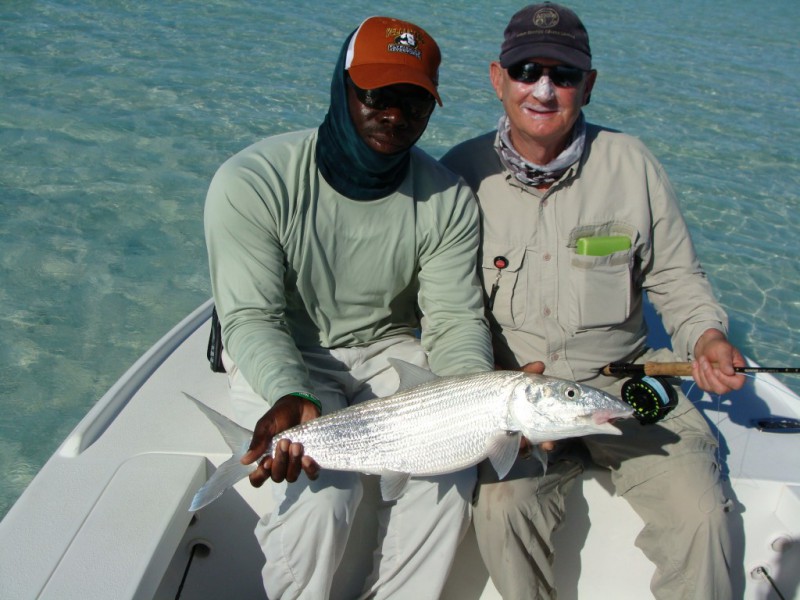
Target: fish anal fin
x: 411, y: 375
x: 502, y: 451
x: 393, y: 484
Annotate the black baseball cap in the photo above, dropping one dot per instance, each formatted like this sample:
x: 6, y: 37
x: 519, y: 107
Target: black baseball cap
x: 546, y: 30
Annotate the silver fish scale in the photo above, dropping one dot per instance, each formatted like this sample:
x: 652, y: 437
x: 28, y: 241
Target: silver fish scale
x: 434, y: 428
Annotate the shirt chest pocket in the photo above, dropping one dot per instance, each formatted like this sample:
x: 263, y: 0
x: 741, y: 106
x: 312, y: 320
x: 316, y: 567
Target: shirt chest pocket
x: 600, y: 289
x: 504, y: 282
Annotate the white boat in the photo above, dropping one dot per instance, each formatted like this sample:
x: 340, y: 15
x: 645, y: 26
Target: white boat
x: 106, y: 517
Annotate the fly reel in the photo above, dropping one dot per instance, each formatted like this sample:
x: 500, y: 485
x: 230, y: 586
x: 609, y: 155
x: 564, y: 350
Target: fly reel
x: 652, y: 398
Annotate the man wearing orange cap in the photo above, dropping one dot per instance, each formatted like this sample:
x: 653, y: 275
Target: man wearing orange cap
x: 578, y: 223
x: 325, y: 249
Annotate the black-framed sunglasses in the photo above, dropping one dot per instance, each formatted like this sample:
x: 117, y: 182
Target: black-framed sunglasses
x: 561, y: 75
x: 415, y: 105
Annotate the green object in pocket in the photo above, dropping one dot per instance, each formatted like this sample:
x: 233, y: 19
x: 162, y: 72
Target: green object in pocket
x: 603, y: 245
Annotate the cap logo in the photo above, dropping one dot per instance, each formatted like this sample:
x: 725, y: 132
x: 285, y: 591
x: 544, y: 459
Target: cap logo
x: 545, y: 18
x: 404, y: 41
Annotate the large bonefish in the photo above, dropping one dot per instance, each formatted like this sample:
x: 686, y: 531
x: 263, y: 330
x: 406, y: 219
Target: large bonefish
x: 432, y: 426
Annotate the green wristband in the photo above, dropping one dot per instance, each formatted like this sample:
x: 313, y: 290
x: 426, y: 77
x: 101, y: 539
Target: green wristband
x: 310, y: 397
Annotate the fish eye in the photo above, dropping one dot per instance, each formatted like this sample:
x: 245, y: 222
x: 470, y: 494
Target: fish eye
x: 571, y: 393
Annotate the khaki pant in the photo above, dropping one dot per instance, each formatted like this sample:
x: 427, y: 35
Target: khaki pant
x: 667, y: 472
x: 304, y: 538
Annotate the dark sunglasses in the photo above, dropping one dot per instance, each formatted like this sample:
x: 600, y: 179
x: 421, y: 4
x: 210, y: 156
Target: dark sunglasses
x: 415, y: 105
x: 561, y: 75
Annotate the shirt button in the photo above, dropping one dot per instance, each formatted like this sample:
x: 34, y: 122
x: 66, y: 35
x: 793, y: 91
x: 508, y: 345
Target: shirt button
x: 546, y: 257
x: 554, y: 357
x: 544, y: 203
x: 546, y: 312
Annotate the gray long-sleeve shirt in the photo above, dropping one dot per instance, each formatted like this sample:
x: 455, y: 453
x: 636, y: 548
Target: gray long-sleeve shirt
x: 576, y: 312
x: 295, y: 264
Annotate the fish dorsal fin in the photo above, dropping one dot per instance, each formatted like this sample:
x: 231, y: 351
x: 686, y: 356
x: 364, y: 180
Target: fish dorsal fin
x: 393, y: 484
x: 237, y: 437
x: 411, y: 375
x: 502, y: 451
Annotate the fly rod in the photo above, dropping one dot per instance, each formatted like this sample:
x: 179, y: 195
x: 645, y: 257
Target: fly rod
x: 679, y: 369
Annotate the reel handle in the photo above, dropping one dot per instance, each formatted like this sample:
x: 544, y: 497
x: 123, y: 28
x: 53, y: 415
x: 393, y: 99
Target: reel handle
x: 669, y: 369
x: 678, y: 369
x: 651, y: 369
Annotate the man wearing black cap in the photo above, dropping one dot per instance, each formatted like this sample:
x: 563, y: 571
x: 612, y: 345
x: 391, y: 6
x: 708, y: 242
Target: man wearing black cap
x: 325, y: 248
x: 578, y: 222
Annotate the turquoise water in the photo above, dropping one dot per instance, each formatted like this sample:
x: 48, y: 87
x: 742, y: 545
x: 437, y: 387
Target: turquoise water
x: 114, y: 116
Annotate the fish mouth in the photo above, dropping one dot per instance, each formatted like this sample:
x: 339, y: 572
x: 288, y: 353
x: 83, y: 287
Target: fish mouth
x: 602, y: 417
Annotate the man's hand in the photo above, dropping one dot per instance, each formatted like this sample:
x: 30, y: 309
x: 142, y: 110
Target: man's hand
x: 714, y: 359
x: 288, y: 459
x: 537, y: 368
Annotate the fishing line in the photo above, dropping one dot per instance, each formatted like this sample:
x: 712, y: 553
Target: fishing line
x: 717, y: 455
x: 719, y: 398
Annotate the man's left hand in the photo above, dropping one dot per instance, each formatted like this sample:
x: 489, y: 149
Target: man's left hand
x: 525, y: 449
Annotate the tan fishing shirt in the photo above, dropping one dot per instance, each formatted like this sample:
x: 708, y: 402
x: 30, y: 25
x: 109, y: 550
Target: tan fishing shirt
x: 579, y: 312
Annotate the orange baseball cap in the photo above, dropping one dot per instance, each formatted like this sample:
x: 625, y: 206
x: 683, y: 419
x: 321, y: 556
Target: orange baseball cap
x: 385, y: 51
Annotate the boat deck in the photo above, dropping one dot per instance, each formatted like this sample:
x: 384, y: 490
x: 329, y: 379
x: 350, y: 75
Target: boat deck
x: 107, y: 516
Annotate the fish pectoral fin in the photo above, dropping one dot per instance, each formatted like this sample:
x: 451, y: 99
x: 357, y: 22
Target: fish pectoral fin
x: 502, y: 451
x: 411, y: 375
x: 541, y: 456
x: 393, y: 484
x: 224, y: 477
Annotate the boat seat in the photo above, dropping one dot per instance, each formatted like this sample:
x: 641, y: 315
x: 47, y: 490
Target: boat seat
x: 132, y: 531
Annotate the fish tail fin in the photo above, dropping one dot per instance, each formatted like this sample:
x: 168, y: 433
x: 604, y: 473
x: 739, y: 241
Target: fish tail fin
x: 232, y: 470
x: 236, y: 436
x: 224, y: 477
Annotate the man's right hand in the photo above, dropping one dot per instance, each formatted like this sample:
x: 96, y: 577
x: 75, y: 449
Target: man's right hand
x: 288, y: 459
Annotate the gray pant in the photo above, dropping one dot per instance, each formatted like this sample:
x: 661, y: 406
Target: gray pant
x: 304, y: 538
x: 667, y: 472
